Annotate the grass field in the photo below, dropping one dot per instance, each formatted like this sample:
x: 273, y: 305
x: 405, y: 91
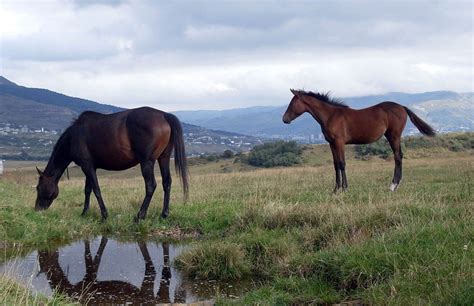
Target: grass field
x: 284, y: 228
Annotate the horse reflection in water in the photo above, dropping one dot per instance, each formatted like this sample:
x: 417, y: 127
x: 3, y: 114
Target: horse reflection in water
x: 90, y: 289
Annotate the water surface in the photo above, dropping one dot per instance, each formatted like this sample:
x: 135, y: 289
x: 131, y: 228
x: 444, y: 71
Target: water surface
x: 105, y: 270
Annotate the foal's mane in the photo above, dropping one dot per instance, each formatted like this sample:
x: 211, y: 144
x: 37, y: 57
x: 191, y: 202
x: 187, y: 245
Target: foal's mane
x: 324, y: 97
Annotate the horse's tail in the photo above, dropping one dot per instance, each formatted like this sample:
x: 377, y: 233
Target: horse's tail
x: 179, y: 151
x: 422, y: 126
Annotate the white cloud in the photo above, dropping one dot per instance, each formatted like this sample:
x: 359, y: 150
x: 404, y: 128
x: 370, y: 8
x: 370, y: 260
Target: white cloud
x: 182, y: 55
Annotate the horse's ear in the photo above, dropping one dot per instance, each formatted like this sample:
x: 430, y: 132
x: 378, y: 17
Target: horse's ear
x: 39, y: 171
x: 295, y: 92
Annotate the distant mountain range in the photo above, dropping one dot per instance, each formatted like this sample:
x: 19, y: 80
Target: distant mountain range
x: 42, y: 108
x: 445, y: 110
x: 32, y: 118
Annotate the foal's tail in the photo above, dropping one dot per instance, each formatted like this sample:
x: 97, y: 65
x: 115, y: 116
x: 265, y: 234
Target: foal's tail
x: 422, y: 126
x: 179, y: 151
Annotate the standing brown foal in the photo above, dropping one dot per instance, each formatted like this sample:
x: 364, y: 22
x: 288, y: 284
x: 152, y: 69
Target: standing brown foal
x: 342, y: 125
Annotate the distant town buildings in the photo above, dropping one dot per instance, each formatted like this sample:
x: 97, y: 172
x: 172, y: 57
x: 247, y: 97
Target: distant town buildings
x: 10, y: 129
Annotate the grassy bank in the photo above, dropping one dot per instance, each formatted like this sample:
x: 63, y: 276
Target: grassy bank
x: 284, y: 228
x: 12, y: 293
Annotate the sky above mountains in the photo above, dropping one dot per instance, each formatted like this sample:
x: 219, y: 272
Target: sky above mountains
x: 177, y: 55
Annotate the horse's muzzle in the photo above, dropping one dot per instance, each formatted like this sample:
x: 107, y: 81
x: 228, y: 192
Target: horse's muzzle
x: 39, y: 207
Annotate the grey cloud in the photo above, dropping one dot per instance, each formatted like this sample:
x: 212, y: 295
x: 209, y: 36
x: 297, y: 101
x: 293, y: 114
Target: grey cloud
x: 85, y: 3
x: 252, y: 25
x: 209, y: 26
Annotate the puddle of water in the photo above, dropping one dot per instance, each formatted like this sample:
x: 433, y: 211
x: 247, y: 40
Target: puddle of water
x: 104, y: 270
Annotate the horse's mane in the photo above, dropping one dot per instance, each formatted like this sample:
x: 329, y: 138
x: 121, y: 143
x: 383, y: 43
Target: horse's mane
x: 62, y: 139
x: 65, y: 136
x: 324, y: 97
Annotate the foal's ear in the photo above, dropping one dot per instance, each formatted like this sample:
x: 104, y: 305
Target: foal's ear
x: 39, y: 171
x: 297, y: 93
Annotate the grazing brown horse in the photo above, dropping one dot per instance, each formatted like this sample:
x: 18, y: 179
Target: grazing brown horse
x: 117, y: 142
x: 342, y: 125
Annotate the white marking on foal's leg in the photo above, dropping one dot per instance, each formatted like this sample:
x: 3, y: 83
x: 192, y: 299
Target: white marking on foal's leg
x: 393, y: 187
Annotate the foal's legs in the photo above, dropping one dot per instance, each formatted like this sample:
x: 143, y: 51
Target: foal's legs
x: 336, y: 168
x: 87, y: 192
x: 91, y: 176
x: 337, y: 149
x: 394, y: 141
x: 150, y: 186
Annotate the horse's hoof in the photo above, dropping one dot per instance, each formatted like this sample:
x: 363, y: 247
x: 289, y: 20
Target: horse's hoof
x: 164, y: 216
x: 393, y: 187
x: 138, y: 218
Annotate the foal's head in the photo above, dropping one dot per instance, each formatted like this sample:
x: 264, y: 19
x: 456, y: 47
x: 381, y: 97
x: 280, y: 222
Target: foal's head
x: 295, y: 108
x: 47, y: 190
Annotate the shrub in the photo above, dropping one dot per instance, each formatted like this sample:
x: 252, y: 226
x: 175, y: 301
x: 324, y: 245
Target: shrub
x: 212, y: 157
x: 280, y: 153
x: 227, y: 154
x: 379, y: 148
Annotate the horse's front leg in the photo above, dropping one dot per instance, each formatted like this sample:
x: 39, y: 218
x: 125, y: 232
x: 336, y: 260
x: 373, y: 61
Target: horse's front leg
x: 342, y: 167
x: 87, y: 193
x: 91, y: 176
x: 337, y: 186
x: 336, y: 167
x: 337, y: 149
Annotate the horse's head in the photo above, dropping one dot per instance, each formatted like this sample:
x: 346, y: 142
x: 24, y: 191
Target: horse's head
x: 295, y: 108
x: 47, y: 190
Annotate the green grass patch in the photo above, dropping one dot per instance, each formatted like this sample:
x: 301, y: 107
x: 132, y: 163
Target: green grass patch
x: 215, y: 260
x: 285, y: 229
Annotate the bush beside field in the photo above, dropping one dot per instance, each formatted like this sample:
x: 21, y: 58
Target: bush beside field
x: 452, y: 142
x: 274, y: 154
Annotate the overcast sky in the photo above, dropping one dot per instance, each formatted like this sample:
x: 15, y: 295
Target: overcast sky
x: 177, y: 55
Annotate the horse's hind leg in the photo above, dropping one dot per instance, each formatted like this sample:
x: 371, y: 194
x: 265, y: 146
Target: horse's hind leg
x: 394, y: 141
x: 87, y: 193
x: 150, y: 186
x: 164, y: 161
